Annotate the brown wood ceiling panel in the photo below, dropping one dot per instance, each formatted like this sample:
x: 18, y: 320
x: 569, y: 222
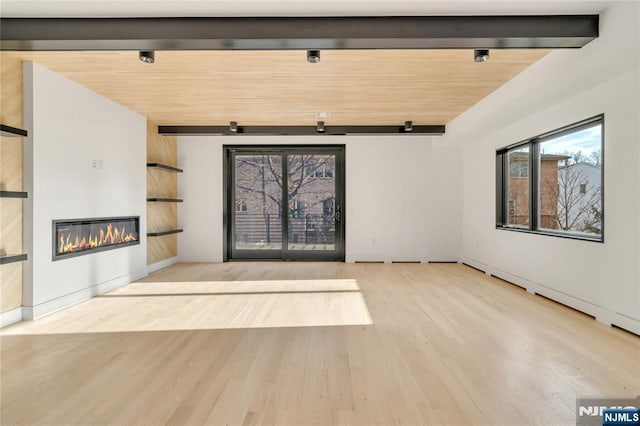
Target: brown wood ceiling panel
x: 358, y: 87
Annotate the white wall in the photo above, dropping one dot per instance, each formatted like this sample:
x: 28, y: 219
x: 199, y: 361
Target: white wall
x: 69, y: 127
x: 638, y: 132
x: 403, y: 196
x: 564, y: 87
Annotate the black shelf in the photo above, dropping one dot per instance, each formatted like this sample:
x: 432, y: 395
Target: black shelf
x: 13, y: 194
x: 161, y: 233
x: 11, y: 258
x: 12, y: 131
x: 164, y: 200
x: 164, y: 167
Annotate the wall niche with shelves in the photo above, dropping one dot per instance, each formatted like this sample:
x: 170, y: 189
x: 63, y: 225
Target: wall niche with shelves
x: 162, y: 196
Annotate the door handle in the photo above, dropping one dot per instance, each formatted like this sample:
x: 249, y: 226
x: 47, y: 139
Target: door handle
x: 336, y: 215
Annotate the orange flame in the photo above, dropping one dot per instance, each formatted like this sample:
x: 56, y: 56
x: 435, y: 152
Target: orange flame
x: 112, y: 236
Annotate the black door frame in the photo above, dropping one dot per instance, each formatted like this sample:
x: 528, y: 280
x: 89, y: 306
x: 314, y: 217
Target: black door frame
x: 284, y: 254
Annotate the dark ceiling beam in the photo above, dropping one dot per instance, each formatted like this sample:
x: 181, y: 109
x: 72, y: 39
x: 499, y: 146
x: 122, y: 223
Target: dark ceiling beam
x: 295, y: 33
x: 297, y: 130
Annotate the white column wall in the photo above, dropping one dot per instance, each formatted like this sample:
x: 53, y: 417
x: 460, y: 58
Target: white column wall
x: 70, y: 126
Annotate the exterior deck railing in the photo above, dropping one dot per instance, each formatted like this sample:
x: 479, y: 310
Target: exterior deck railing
x: 304, y: 229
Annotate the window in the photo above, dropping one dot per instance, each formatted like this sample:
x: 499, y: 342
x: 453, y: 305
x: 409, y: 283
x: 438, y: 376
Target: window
x: 520, y: 168
x: 518, y: 187
x: 328, y: 206
x: 552, y: 183
x: 297, y: 209
x: 241, y: 206
x: 323, y: 171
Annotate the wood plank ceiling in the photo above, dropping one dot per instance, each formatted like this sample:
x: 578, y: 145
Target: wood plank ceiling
x: 357, y: 87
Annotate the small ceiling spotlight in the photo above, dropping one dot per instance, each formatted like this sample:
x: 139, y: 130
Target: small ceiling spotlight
x: 313, y: 56
x: 147, y: 56
x: 233, y: 126
x: 408, y: 126
x: 320, y: 127
x: 481, y: 55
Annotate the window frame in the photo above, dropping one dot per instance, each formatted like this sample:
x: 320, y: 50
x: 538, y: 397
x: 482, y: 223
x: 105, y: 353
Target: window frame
x: 503, y: 172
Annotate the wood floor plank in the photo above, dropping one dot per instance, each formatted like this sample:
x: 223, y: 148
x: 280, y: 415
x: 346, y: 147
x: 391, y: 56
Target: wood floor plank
x: 312, y: 343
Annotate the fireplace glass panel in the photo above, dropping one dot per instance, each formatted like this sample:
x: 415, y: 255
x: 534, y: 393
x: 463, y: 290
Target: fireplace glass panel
x: 84, y: 236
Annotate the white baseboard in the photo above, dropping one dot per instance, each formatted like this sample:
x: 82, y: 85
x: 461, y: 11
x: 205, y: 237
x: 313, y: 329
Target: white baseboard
x: 626, y: 322
x: 408, y: 259
x: 10, y: 317
x: 444, y: 260
x: 51, y: 306
x: 601, y: 314
x: 162, y: 264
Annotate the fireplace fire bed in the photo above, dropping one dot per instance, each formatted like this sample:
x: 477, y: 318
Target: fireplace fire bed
x: 77, y: 237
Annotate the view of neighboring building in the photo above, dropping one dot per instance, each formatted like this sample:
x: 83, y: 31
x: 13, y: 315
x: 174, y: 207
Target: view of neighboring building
x: 569, y: 192
x: 518, y: 188
x: 518, y: 207
x: 258, y: 201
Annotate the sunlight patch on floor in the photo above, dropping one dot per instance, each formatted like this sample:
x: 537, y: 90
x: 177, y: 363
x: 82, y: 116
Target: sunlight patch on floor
x: 236, y: 287
x: 209, y: 305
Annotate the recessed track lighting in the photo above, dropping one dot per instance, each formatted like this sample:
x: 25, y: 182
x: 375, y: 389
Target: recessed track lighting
x: 481, y: 55
x: 313, y: 56
x: 147, y: 56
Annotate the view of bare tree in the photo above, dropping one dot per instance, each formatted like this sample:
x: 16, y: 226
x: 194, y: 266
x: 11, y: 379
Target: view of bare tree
x: 259, y: 182
x: 268, y: 168
x: 578, y: 198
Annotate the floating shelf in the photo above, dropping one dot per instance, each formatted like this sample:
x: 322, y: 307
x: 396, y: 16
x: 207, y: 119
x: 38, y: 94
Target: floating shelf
x: 164, y: 200
x: 11, y: 258
x: 161, y: 233
x: 164, y: 167
x: 12, y: 131
x: 13, y: 194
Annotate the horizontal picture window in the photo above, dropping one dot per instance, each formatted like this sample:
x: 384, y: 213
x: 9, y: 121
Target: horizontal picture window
x: 552, y: 184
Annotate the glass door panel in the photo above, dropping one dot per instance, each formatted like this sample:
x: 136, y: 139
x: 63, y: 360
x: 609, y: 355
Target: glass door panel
x: 257, y: 215
x: 311, y: 201
x: 284, y: 202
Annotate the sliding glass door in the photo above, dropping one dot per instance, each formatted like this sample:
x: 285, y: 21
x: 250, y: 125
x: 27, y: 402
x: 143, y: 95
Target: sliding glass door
x: 285, y: 203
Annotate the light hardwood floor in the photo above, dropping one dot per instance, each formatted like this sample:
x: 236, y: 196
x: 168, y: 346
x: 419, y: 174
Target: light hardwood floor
x: 313, y: 343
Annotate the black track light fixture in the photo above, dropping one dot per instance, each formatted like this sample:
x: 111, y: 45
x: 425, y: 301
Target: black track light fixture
x: 313, y: 56
x: 320, y: 127
x: 481, y: 55
x: 233, y: 126
x: 147, y: 56
x: 408, y: 126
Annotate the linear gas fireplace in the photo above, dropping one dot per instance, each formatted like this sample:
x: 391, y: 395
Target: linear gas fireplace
x: 78, y: 237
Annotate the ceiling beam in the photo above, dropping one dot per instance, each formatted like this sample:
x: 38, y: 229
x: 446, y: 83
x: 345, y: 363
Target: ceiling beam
x: 297, y: 130
x: 297, y: 33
